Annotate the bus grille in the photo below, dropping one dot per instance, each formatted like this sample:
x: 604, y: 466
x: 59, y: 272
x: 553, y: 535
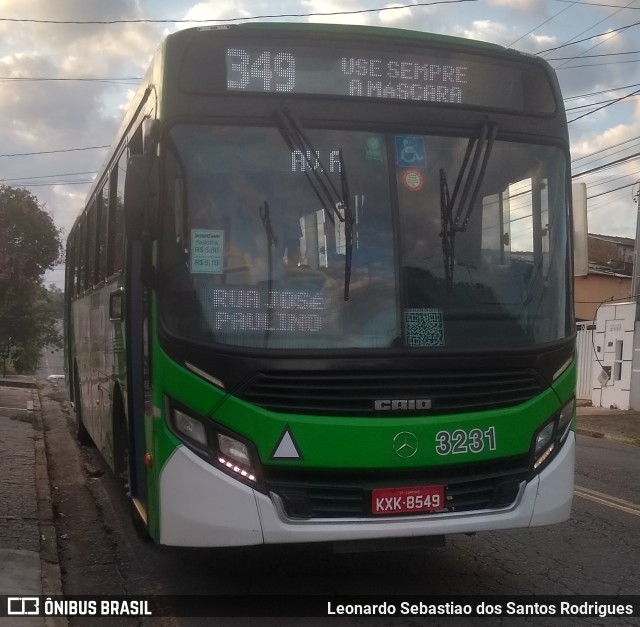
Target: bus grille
x: 353, y: 393
x: 314, y: 495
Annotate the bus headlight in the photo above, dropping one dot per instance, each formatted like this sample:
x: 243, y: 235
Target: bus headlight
x: 552, y: 435
x: 190, y: 427
x: 236, y: 450
x: 544, y: 444
x: 216, y: 444
x: 234, y: 455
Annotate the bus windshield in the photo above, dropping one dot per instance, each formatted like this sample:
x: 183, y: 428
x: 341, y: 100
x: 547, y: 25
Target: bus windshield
x: 255, y: 251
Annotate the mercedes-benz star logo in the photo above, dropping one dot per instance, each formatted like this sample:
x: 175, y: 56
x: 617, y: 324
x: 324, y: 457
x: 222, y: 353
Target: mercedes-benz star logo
x: 405, y: 444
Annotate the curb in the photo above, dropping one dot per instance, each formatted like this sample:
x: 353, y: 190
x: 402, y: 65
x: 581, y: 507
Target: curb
x: 607, y: 436
x: 18, y: 383
x: 50, y: 573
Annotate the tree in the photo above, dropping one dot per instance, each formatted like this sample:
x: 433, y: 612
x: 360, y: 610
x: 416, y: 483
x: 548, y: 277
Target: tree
x: 56, y: 295
x: 30, y: 245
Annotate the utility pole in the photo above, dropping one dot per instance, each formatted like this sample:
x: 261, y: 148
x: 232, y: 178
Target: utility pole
x: 635, y: 280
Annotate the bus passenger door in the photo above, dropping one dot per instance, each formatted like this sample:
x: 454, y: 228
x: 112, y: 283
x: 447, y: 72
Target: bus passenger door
x: 133, y: 305
x: 137, y: 371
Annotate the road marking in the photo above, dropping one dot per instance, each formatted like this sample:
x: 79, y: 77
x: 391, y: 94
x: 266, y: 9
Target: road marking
x: 609, y: 501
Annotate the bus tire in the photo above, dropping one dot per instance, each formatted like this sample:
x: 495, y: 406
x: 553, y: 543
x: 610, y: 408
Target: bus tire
x: 82, y: 434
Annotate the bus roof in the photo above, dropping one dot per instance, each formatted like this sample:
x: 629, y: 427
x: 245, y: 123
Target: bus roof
x: 378, y: 32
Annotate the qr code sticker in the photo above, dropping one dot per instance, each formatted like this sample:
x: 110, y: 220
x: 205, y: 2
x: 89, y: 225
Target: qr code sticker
x: 424, y: 327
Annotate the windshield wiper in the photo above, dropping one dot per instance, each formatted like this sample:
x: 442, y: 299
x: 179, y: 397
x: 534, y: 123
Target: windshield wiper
x: 335, y: 204
x: 349, y: 221
x: 456, y: 209
x: 272, y: 241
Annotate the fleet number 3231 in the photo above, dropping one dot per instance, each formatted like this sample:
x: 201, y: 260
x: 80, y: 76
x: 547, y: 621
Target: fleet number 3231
x: 465, y: 441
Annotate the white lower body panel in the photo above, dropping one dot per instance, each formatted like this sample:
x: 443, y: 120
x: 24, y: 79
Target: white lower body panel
x: 202, y: 506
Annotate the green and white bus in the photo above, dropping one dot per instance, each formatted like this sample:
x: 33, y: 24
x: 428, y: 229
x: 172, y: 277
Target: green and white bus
x: 321, y: 289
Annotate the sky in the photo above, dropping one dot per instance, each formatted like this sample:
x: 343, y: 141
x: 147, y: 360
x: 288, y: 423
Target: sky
x: 65, y: 82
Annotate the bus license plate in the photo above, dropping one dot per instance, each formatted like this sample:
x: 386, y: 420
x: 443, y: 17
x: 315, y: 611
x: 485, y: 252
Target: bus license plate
x: 407, y: 500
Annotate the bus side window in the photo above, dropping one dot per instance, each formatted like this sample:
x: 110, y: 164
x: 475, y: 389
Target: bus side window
x: 76, y: 260
x: 115, y: 240
x: 82, y: 250
x: 102, y: 204
x: 91, y: 245
x: 71, y: 265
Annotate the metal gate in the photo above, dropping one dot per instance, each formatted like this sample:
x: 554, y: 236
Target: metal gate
x: 584, y: 345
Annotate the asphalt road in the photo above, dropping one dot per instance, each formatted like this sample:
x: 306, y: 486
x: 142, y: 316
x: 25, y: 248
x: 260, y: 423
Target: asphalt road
x: 593, y: 553
x: 51, y: 362
x: 609, y: 467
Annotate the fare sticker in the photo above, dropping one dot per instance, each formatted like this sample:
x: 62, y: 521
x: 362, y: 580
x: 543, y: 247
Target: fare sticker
x: 413, y: 180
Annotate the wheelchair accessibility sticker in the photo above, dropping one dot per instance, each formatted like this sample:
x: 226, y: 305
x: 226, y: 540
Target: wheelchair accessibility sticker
x: 410, y: 151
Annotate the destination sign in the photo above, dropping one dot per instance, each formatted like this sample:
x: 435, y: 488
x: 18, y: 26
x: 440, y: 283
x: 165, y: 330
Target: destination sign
x: 245, y: 309
x: 454, y: 78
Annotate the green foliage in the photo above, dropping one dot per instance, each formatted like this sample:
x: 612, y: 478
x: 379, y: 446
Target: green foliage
x: 29, y: 246
x: 56, y: 295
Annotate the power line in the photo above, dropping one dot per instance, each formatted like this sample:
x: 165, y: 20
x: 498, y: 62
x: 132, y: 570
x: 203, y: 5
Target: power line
x: 50, y: 152
x: 599, y: 4
x: 233, y: 19
x: 593, y: 56
x: 48, y: 176
x: 572, y: 43
x: 55, y: 184
x: 19, y: 79
x: 611, y: 179
x: 586, y: 106
x: 572, y: 67
x: 584, y: 115
x: 541, y: 24
x: 600, y: 158
x: 596, y: 45
x: 597, y: 93
x: 606, y: 165
x: 593, y: 161
x: 617, y: 189
x: 591, y: 154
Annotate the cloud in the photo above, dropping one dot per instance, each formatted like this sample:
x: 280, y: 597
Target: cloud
x: 330, y: 10
x: 217, y: 10
x: 47, y: 115
x: 396, y: 16
x: 524, y: 5
x: 610, y: 210
x: 488, y: 30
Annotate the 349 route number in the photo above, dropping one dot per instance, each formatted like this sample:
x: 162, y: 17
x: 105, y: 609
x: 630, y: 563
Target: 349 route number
x: 463, y: 441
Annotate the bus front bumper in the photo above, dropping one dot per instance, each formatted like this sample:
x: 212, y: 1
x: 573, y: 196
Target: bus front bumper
x: 202, y: 506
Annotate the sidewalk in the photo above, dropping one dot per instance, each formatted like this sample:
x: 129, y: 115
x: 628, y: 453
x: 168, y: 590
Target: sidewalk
x: 610, y: 424
x: 28, y: 548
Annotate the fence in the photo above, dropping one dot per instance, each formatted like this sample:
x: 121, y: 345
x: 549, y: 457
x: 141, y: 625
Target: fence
x: 584, y: 345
